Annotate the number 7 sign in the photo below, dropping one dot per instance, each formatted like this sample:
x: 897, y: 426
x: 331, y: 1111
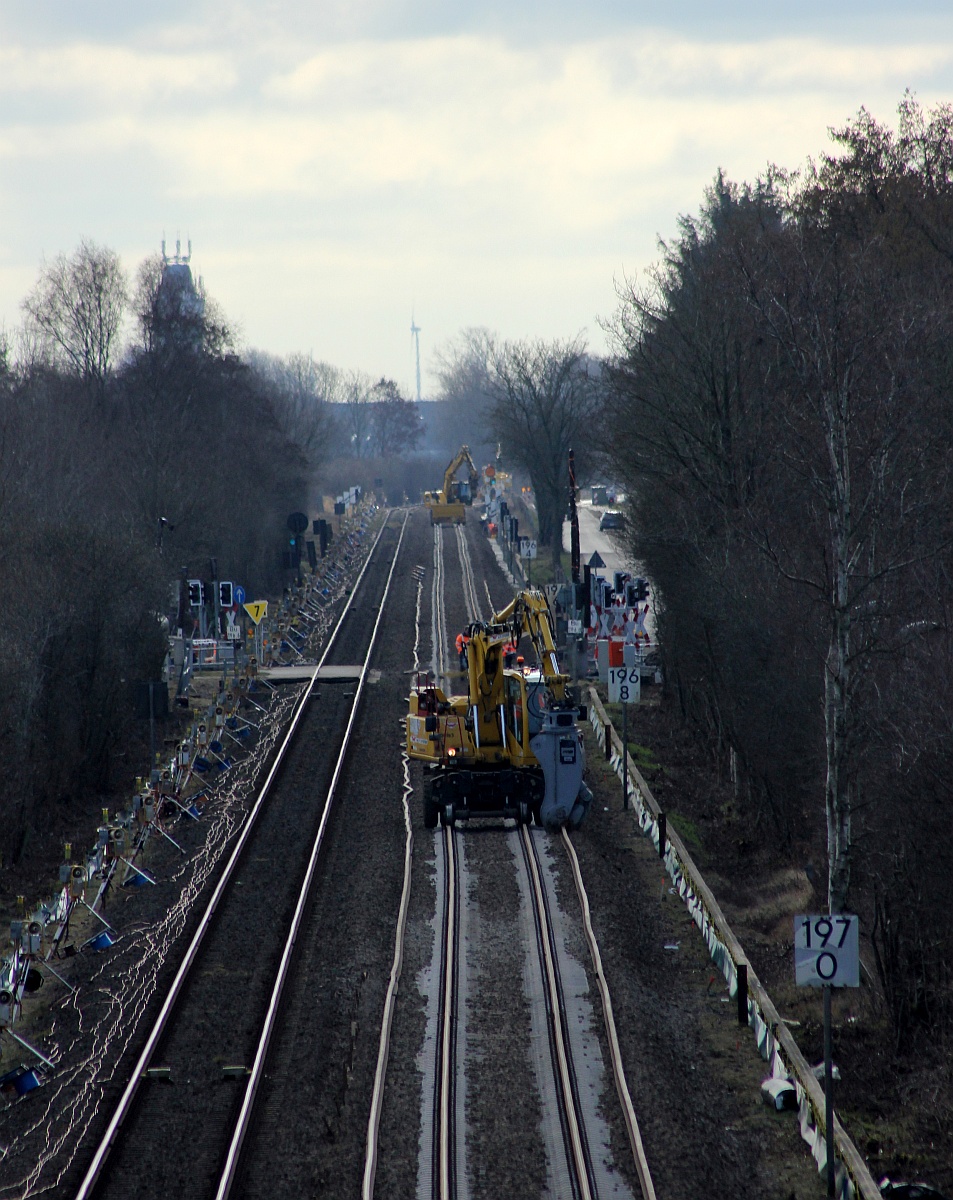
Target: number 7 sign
x: 826, y: 951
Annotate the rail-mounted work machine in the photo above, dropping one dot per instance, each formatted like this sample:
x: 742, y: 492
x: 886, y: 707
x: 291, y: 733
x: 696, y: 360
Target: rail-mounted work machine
x: 449, y: 506
x: 511, y: 746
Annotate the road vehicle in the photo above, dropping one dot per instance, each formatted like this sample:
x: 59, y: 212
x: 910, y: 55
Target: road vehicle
x: 611, y: 519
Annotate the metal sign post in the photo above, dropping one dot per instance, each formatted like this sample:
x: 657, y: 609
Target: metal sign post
x: 625, y: 755
x: 827, y: 955
x: 829, y: 1095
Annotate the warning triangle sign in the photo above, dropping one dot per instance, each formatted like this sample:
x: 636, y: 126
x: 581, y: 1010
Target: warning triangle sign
x: 256, y: 609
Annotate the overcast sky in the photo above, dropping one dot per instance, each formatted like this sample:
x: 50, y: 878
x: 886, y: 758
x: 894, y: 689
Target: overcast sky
x: 340, y: 165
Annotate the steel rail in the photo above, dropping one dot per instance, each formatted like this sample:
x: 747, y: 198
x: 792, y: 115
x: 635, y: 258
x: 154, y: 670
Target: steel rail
x: 390, y: 1000
x: 258, y: 1066
x: 125, y: 1101
x: 445, y: 1121
x: 466, y: 569
x: 615, y: 1053
x: 444, y: 1131
x: 562, y: 1054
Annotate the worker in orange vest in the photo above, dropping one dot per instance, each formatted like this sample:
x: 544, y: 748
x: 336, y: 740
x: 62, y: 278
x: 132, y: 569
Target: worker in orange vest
x: 462, y: 650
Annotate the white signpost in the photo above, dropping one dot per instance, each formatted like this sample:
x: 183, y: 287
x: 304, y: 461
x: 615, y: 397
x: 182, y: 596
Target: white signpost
x: 527, y: 554
x: 625, y: 685
x: 827, y: 955
x: 827, y: 951
x: 625, y: 688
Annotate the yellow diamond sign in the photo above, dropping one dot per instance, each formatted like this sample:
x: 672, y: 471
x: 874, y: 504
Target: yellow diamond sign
x: 256, y: 609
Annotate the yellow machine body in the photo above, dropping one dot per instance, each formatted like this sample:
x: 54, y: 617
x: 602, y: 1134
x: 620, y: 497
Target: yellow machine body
x: 449, y: 506
x: 483, y: 747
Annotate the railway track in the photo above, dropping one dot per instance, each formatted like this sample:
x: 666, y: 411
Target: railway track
x: 470, y: 593
x: 575, y: 1136
x: 499, y: 1027
x: 176, y: 1129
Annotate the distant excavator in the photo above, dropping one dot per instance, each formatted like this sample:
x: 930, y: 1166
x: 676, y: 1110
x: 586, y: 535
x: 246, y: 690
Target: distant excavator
x: 449, y: 506
x: 510, y: 747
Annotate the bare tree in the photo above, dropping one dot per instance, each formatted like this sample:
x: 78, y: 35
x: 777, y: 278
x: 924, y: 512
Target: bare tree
x: 465, y: 367
x: 395, y: 423
x: 300, y: 390
x: 782, y: 389
x: 544, y: 398
x: 861, y: 456
x: 76, y: 310
x: 356, y: 413
x: 690, y: 429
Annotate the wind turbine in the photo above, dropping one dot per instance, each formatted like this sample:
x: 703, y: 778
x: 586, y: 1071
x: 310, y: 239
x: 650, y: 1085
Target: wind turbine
x: 415, y: 334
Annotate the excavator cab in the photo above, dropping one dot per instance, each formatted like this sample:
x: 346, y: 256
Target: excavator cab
x: 527, y: 697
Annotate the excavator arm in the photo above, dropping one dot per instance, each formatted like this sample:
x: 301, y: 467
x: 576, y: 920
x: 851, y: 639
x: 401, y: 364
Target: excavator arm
x: 529, y: 614
x: 462, y: 456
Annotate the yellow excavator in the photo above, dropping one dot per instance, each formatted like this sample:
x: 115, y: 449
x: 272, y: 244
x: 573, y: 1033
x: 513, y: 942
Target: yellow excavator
x: 449, y: 506
x: 510, y: 747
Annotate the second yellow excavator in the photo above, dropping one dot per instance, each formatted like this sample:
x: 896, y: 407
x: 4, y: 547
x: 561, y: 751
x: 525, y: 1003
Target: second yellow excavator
x: 449, y: 506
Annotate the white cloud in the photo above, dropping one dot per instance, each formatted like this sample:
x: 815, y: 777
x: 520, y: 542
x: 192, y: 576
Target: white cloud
x: 778, y: 63
x: 504, y: 184
x: 105, y: 73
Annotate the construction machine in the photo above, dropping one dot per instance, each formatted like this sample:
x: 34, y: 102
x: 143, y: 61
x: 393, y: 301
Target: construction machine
x: 449, y: 506
x: 510, y: 747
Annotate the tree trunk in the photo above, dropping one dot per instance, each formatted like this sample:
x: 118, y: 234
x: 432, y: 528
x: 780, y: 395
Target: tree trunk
x: 837, y: 682
x: 837, y: 792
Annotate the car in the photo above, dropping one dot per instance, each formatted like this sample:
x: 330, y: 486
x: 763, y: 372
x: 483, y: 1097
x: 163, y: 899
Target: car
x: 611, y: 519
